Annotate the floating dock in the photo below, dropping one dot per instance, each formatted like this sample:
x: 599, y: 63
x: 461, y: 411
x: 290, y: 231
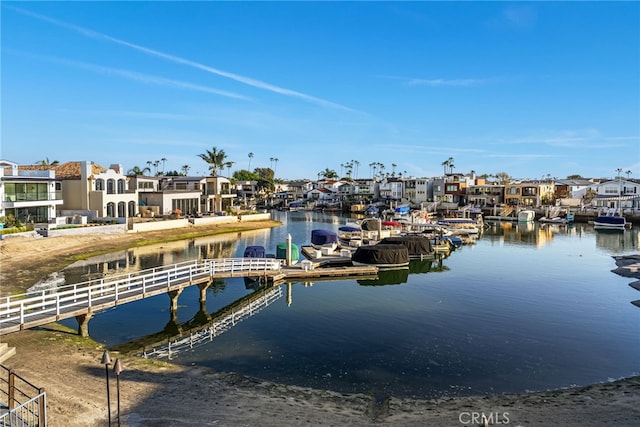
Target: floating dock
x: 306, y: 271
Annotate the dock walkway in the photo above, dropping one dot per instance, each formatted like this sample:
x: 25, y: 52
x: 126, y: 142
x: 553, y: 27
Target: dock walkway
x: 82, y: 300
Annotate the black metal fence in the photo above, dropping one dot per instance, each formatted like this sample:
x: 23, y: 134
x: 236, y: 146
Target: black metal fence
x: 21, y: 403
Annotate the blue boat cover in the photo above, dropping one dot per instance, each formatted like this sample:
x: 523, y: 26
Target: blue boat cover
x: 254, y: 252
x: 324, y: 237
x: 349, y: 229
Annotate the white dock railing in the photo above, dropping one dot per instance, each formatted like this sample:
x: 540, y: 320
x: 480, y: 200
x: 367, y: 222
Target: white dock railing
x: 217, y: 327
x: 66, y: 301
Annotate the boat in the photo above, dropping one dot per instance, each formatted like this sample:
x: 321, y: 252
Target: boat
x: 610, y: 221
x: 418, y: 246
x: 554, y: 220
x: 462, y: 226
x: 254, y: 252
x: 386, y: 256
x: 325, y: 240
x: 350, y: 235
x: 372, y: 211
x: 526, y: 215
x: 281, y: 252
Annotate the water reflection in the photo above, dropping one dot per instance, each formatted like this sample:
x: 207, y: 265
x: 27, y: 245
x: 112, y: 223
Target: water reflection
x: 203, y: 327
x: 491, y: 317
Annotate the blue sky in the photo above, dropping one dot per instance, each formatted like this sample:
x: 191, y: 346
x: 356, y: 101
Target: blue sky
x: 531, y: 89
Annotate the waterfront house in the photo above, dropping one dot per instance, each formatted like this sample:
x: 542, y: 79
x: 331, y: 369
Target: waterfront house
x: 391, y: 189
x: 618, y: 193
x: 416, y: 190
x: 530, y: 194
x: 30, y: 194
x: 485, y: 194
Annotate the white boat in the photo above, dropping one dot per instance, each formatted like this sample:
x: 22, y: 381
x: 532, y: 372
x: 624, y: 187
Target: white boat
x: 554, y: 220
x: 610, y: 221
x: 526, y: 215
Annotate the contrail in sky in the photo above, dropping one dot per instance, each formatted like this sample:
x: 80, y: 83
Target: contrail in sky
x: 178, y: 60
x: 131, y: 75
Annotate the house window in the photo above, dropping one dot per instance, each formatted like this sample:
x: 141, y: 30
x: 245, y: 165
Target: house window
x: 99, y: 185
x: 111, y: 184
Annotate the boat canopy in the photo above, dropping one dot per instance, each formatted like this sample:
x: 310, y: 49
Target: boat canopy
x: 349, y: 229
x: 254, y: 252
x: 389, y: 254
x: 402, y: 209
x: 416, y: 245
x: 324, y: 237
x: 281, y: 251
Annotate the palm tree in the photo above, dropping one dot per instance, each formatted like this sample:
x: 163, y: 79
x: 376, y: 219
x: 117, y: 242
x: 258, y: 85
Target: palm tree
x: 215, y: 159
x: 275, y: 161
x: 228, y: 166
x: 163, y: 160
x: 155, y: 165
x: 628, y: 172
x: 393, y: 169
x: 357, y: 163
x: 329, y: 173
x: 250, y: 157
x: 448, y: 164
x: 136, y: 171
x: 46, y: 162
x: 185, y: 169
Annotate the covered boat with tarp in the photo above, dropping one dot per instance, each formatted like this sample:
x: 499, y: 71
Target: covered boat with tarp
x: 382, y: 256
x: 254, y: 252
x: 324, y: 239
x: 418, y: 246
x: 281, y: 252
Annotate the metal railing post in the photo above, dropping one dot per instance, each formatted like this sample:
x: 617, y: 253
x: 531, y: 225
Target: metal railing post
x: 12, y: 390
x: 42, y: 414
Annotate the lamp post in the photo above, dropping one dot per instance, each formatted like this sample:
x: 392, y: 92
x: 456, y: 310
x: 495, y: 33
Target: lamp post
x: 117, y: 368
x: 106, y: 361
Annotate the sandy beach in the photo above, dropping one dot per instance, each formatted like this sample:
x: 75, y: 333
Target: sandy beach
x: 154, y: 393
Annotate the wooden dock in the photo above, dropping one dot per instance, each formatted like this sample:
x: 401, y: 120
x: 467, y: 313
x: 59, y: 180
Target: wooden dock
x: 316, y: 271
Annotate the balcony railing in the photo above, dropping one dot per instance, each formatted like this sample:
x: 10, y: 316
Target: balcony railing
x: 30, y: 197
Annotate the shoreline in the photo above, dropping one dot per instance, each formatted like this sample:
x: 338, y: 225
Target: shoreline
x: 156, y: 393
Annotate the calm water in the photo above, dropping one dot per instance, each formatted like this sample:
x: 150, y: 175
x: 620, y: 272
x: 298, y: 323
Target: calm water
x: 525, y: 308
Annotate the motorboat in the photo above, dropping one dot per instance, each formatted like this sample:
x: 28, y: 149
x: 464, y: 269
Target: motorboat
x: 281, y: 252
x: 385, y: 256
x: 350, y: 235
x: 325, y: 240
x: 610, y: 221
x: 554, y: 220
x: 526, y: 215
x: 418, y: 246
x: 254, y: 252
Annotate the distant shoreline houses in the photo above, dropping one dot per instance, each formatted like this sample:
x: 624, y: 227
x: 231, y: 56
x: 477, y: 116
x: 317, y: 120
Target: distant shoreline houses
x: 77, y: 192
